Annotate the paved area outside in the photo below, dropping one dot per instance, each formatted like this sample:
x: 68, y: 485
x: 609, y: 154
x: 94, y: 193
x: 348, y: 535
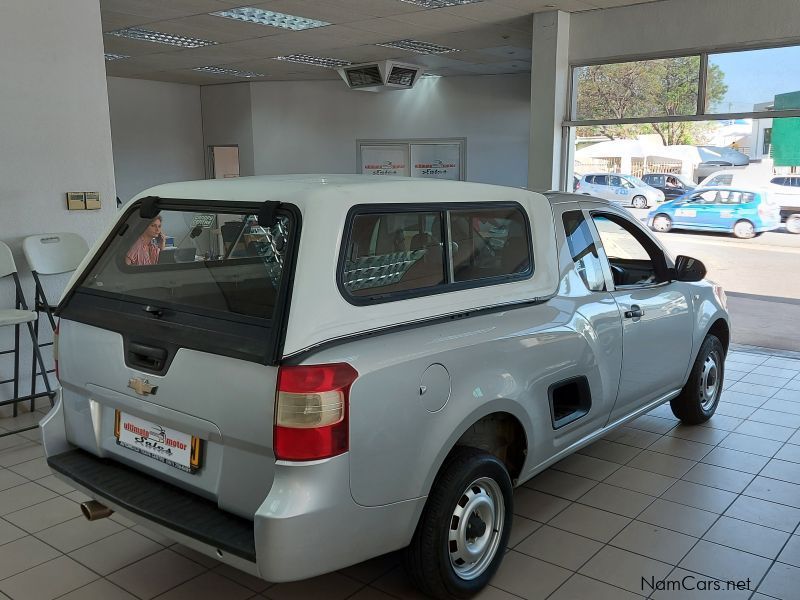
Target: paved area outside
x: 652, y: 501
x: 761, y: 277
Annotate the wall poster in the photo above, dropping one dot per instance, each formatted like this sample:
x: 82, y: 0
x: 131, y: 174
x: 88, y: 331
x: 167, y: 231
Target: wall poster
x: 423, y: 158
x: 387, y: 159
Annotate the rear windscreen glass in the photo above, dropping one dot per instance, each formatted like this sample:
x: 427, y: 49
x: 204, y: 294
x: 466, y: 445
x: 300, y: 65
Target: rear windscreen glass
x: 195, y: 261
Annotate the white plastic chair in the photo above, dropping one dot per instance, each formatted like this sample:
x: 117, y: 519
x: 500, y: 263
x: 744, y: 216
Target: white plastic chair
x: 50, y: 254
x: 17, y: 316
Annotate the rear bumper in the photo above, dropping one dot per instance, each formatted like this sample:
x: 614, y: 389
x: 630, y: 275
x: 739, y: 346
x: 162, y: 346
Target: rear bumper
x: 308, y: 524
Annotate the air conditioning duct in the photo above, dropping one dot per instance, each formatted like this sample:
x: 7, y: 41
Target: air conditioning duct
x: 381, y: 75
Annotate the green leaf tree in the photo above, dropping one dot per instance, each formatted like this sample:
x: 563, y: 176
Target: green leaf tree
x: 662, y: 87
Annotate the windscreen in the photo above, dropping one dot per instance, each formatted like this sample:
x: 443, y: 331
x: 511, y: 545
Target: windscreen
x: 194, y: 261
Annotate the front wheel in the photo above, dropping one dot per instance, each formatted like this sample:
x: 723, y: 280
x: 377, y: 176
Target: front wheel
x: 662, y: 223
x: 639, y: 202
x: 744, y: 230
x: 793, y: 223
x: 700, y: 396
x: 463, y: 531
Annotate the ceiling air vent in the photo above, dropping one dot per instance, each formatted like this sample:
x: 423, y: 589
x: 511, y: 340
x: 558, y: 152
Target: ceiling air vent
x: 381, y: 75
x: 364, y: 76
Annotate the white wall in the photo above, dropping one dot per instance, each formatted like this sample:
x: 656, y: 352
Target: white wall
x: 54, y: 129
x: 681, y: 25
x: 157, y: 133
x: 312, y: 127
x: 227, y: 120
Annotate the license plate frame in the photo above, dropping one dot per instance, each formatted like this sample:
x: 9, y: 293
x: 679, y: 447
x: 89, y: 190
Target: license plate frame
x: 166, y: 445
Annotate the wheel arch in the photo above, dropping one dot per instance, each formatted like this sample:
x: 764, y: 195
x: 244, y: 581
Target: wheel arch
x: 501, y: 428
x: 722, y: 331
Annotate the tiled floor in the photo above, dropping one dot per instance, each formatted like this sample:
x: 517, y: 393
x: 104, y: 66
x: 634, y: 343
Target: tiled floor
x: 652, y: 501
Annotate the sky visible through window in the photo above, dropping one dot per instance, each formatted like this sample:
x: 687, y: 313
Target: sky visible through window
x: 755, y: 76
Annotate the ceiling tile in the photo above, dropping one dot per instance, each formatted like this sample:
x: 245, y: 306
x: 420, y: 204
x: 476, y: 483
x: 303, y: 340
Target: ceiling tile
x: 376, y: 8
x: 215, y: 28
x: 370, y: 52
x: 391, y: 29
x: 156, y: 10
x: 438, y: 20
x: 320, y: 10
x: 544, y: 5
x: 486, y: 11
x: 114, y: 20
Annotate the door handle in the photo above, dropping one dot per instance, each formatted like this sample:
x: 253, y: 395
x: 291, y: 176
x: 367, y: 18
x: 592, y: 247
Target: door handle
x: 635, y: 312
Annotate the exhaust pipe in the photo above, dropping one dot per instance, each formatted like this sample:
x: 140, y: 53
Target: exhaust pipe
x: 93, y: 510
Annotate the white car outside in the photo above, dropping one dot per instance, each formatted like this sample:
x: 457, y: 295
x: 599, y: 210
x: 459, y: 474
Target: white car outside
x: 623, y: 189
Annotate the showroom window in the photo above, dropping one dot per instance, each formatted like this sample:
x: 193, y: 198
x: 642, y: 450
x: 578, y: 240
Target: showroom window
x: 690, y: 116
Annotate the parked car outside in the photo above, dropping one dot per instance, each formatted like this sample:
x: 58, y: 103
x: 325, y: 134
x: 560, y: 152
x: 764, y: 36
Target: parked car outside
x: 365, y: 364
x: 741, y: 212
x: 786, y: 192
x: 623, y: 189
x: 783, y: 190
x: 671, y: 184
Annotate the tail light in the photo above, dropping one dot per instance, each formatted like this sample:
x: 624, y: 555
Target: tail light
x: 55, y: 346
x: 577, y: 185
x: 765, y: 210
x: 312, y: 411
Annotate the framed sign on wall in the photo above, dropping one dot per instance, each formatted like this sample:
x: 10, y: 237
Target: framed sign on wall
x: 444, y: 158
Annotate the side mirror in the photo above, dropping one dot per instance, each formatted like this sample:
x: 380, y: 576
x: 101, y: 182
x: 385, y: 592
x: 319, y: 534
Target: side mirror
x: 689, y: 269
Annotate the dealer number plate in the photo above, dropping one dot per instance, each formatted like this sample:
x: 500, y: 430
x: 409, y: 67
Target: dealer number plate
x: 172, y: 447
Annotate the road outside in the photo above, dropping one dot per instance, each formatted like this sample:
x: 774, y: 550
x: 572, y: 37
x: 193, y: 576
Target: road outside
x: 761, y: 277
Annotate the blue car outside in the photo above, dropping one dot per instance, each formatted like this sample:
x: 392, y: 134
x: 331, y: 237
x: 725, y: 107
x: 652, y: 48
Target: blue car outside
x: 743, y: 213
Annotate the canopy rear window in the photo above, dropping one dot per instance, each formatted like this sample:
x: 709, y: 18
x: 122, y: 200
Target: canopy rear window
x: 195, y: 261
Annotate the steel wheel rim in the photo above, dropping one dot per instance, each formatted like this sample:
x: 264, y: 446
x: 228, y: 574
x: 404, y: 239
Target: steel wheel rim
x: 793, y: 225
x: 710, y: 380
x: 745, y: 229
x: 470, y: 554
x: 661, y: 223
x: 639, y: 202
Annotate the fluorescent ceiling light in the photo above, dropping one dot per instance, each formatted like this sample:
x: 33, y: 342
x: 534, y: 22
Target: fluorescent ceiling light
x: 112, y: 56
x: 232, y: 72
x: 317, y: 61
x: 417, y: 46
x: 146, y: 35
x: 439, y: 3
x: 270, y: 18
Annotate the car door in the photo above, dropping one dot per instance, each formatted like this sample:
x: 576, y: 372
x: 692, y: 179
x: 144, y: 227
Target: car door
x: 599, y: 186
x: 657, y: 318
x: 587, y: 286
x: 619, y: 189
x: 691, y: 211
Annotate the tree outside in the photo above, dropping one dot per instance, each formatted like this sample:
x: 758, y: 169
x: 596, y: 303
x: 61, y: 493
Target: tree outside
x: 662, y: 87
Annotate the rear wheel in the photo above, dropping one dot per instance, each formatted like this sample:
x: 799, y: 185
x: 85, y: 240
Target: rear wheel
x: 793, y: 223
x: 463, y: 531
x: 699, y: 397
x: 744, y: 230
x: 662, y: 223
x: 639, y: 202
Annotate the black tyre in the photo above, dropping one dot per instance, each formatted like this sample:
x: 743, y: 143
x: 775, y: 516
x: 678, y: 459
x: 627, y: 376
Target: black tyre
x: 463, y: 531
x: 662, y: 223
x: 639, y: 202
x: 700, y: 396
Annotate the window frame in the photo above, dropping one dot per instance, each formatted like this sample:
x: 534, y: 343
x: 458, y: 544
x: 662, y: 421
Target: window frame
x: 448, y: 285
x: 661, y: 267
x: 604, y: 266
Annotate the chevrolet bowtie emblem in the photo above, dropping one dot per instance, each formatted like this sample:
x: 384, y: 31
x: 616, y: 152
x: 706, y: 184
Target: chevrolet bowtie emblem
x: 142, y: 386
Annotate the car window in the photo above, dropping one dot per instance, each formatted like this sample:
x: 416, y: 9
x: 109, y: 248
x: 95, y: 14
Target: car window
x: 654, y: 180
x: 780, y: 181
x: 394, y: 252
x: 583, y: 249
x: 632, y: 263
x: 614, y: 181
x: 601, y: 179
x: 487, y: 243
x: 726, y: 179
x: 188, y: 260
x: 709, y: 197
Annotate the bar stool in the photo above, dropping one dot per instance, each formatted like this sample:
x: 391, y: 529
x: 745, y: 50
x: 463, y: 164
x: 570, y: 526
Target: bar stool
x: 17, y: 316
x: 50, y: 254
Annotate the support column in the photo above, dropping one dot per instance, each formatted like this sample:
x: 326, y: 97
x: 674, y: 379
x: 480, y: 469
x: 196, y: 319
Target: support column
x: 549, y: 88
